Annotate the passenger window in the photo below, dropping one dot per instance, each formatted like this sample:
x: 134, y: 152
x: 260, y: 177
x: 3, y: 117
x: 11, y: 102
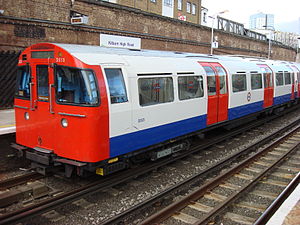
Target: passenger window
x: 116, y: 85
x: 155, y: 90
x: 23, y: 82
x: 42, y: 82
x: 211, y: 80
x: 256, y: 81
x: 239, y: 82
x: 279, y: 79
x: 190, y: 87
x: 75, y: 86
x: 287, y: 78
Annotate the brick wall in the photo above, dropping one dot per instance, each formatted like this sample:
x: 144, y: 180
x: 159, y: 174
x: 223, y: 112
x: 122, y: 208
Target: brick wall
x: 50, y: 22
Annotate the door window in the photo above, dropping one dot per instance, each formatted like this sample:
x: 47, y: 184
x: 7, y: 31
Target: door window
x: 116, y: 85
x: 211, y: 80
x: 42, y: 82
x: 287, y: 78
x: 222, y: 78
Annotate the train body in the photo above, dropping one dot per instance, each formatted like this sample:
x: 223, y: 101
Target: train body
x: 96, y: 109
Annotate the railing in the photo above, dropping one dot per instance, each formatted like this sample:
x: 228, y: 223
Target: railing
x: 238, y: 28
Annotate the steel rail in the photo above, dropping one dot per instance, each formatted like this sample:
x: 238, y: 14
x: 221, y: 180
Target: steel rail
x: 270, y: 211
x: 22, y: 179
x: 110, y: 181
x: 179, y: 205
x: 152, y: 200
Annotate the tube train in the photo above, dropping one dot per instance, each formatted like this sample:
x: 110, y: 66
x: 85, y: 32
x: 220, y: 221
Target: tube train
x: 96, y: 109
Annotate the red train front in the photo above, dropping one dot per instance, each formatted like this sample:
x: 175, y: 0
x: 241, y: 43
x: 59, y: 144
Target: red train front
x: 61, y: 108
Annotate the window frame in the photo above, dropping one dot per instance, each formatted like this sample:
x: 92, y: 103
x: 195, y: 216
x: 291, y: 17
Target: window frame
x: 179, y: 3
x: 37, y: 83
x: 18, y: 81
x: 124, y: 82
x: 194, y: 75
x: 279, y: 73
x: 193, y: 9
x: 159, y: 103
x: 188, y: 7
x: 290, y: 78
x: 167, y: 3
x: 239, y: 74
x: 261, y: 80
x: 77, y: 104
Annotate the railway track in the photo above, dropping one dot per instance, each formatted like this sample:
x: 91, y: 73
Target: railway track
x: 206, y: 203
x: 100, y: 184
x: 22, y: 179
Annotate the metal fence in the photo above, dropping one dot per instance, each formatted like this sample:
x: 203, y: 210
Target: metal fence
x: 238, y: 28
x: 8, y: 69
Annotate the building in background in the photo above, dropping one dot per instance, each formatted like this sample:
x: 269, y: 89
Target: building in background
x: 185, y: 10
x: 260, y: 21
x: 287, y: 38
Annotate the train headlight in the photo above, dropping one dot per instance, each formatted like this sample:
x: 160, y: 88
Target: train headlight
x: 26, y: 116
x: 64, y: 122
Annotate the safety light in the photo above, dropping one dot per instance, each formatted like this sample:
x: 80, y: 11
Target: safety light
x: 26, y: 116
x: 64, y: 122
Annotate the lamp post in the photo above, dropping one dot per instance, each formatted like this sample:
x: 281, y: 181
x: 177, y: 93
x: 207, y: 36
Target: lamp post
x: 270, y: 36
x: 212, y: 29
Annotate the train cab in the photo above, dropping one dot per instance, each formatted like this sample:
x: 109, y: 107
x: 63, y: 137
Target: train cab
x: 60, y: 107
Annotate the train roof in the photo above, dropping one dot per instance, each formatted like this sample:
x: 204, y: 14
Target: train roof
x: 95, y: 55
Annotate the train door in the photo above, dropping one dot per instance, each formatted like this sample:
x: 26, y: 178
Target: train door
x: 296, y: 83
x: 268, y: 85
x: 293, y: 86
x: 217, y: 110
x: 41, y: 105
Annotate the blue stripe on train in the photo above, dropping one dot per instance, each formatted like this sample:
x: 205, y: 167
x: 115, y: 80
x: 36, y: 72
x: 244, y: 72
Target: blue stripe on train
x: 244, y: 110
x: 129, y: 142
x: 282, y: 99
x: 140, y: 139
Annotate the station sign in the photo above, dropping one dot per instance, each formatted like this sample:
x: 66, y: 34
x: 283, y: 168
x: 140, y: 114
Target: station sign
x: 115, y: 41
x: 215, y: 44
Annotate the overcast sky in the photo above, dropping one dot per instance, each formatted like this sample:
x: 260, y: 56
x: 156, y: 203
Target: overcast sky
x: 286, y: 12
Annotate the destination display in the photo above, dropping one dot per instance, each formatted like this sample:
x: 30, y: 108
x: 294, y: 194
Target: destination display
x: 42, y: 55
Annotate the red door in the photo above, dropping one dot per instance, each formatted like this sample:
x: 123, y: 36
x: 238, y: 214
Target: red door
x: 41, y: 102
x: 296, y: 83
x: 268, y: 85
x: 217, y: 106
x: 293, y: 86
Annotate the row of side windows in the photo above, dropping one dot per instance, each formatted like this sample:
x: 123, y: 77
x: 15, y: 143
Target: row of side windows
x: 161, y: 89
x: 158, y: 90
x: 239, y: 81
x: 154, y: 90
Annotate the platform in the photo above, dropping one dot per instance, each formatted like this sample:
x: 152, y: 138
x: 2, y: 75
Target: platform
x: 289, y: 212
x: 7, y: 121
